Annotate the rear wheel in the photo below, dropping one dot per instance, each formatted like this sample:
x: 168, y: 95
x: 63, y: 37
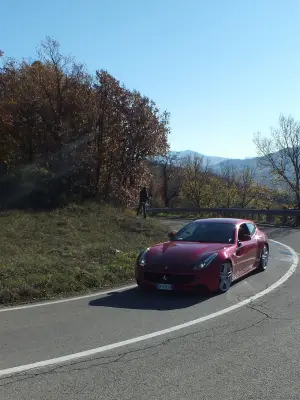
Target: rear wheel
x: 225, y: 278
x: 264, y: 257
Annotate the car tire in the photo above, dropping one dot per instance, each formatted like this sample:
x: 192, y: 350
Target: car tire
x: 225, y: 277
x: 263, y: 259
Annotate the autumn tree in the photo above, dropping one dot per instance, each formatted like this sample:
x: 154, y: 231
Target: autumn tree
x: 247, y: 186
x: 72, y: 133
x: 280, y: 155
x: 231, y: 187
x: 228, y: 184
x: 47, y: 103
x: 130, y: 129
x: 109, y: 96
x: 196, y: 181
x: 217, y: 189
x: 171, y: 177
x: 144, y: 135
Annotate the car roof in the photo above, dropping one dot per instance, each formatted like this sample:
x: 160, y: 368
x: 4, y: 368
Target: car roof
x: 235, y: 221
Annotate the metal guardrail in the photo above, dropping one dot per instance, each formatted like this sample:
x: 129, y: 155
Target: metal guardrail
x: 290, y: 217
x: 195, y: 210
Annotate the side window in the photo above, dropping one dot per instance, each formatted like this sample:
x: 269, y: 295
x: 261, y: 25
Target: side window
x: 251, y: 227
x: 243, y: 230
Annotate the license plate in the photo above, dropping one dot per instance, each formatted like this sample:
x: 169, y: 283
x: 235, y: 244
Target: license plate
x: 164, y: 286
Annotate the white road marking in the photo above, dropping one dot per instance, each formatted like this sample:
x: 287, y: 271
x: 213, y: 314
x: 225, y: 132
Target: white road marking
x: 52, y: 302
x: 88, y: 353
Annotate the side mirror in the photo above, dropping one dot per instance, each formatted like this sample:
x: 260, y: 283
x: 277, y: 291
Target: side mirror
x: 171, y: 234
x: 244, y: 238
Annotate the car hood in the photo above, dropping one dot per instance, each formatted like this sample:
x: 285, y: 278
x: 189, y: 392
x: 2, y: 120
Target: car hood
x: 177, y: 255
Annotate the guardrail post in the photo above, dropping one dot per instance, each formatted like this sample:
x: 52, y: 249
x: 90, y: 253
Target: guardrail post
x: 284, y: 217
x: 283, y: 220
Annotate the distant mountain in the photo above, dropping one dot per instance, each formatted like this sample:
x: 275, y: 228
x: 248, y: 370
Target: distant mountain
x: 186, y: 153
x: 240, y: 163
x: 253, y: 163
x: 216, y: 160
x: 217, y: 163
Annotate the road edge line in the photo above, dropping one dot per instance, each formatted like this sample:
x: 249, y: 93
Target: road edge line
x: 91, y: 352
x: 67, y: 299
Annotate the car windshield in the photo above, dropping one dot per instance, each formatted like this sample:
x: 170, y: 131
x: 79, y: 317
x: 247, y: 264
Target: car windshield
x: 208, y: 232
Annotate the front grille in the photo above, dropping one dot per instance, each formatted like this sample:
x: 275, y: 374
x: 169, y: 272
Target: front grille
x: 166, y: 278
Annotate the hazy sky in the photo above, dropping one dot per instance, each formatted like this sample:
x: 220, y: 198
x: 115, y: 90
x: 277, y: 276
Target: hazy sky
x: 224, y: 69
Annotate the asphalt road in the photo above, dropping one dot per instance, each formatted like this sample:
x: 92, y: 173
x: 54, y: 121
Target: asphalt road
x: 251, y: 352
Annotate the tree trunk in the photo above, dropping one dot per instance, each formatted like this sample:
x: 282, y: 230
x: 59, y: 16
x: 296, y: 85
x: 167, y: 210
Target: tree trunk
x: 298, y: 207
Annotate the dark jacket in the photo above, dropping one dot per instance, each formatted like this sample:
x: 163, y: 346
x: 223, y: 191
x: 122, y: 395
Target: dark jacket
x: 144, y: 196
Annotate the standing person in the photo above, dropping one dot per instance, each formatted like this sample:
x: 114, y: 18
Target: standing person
x: 143, y: 200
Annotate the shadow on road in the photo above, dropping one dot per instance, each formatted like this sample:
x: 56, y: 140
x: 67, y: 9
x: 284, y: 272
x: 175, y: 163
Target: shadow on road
x: 136, y: 299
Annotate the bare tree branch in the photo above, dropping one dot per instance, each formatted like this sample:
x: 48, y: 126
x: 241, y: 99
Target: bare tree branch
x: 228, y: 174
x: 280, y: 154
x: 247, y: 186
x: 171, y: 177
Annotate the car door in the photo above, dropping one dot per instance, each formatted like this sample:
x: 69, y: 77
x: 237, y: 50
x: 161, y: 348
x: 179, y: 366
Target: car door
x: 245, y: 254
x: 253, y: 232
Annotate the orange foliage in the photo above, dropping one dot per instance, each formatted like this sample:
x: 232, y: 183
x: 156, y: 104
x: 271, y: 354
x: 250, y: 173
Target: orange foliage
x: 88, y: 135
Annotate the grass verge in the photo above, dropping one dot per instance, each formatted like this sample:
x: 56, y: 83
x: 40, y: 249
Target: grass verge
x: 72, y: 250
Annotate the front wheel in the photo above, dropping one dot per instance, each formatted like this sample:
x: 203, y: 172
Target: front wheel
x: 225, y: 278
x: 264, y: 257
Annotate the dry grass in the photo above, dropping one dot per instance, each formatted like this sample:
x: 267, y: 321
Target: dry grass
x: 71, y: 250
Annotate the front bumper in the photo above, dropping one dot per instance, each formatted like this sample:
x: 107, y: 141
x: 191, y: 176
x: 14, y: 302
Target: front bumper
x: 203, y: 280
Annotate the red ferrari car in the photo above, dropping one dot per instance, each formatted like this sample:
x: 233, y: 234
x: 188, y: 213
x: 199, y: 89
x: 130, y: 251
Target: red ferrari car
x: 206, y: 253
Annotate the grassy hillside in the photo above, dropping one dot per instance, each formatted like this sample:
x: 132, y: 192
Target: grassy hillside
x: 71, y: 250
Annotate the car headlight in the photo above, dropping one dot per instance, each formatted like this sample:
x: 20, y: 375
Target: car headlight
x: 142, y: 258
x: 205, y: 261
